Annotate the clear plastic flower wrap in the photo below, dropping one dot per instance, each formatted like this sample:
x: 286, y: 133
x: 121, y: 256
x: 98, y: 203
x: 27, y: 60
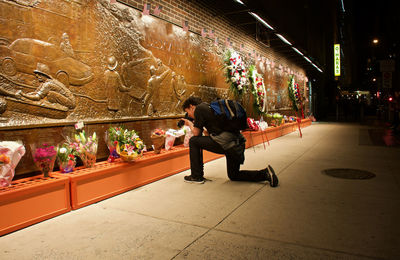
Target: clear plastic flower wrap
x: 66, y: 157
x: 111, y: 137
x: 44, y: 156
x: 11, y: 153
x: 86, y: 147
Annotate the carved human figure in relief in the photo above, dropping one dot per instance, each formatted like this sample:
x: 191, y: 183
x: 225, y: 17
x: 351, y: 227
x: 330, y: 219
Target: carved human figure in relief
x: 66, y: 46
x: 178, y: 93
x: 29, y: 3
x: 113, y: 85
x: 50, y: 88
x: 152, y: 85
x: 128, y: 65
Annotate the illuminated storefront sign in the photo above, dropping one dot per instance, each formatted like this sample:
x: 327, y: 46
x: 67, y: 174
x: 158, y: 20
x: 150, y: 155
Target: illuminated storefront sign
x: 336, y: 52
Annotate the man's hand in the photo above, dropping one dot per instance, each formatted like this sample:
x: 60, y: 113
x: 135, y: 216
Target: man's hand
x: 196, y: 131
x: 188, y: 122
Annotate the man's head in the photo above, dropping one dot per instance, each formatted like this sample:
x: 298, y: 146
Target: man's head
x: 159, y: 62
x: 65, y: 37
x: 112, y: 63
x: 126, y: 55
x: 42, y: 72
x: 190, y: 105
x: 152, y: 70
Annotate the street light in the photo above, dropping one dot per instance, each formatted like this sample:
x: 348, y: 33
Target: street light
x: 240, y: 2
x: 375, y: 41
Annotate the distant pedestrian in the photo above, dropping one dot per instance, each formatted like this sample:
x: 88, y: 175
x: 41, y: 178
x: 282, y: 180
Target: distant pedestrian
x: 396, y: 111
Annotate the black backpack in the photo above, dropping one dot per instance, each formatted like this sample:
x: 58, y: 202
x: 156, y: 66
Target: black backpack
x: 230, y: 114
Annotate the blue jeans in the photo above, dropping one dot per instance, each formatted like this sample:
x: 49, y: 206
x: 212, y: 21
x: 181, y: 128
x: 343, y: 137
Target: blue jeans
x: 199, y: 143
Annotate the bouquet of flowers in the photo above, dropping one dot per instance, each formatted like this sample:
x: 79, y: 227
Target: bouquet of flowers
x: 130, y: 146
x: 66, y: 157
x: 188, y: 135
x: 276, y: 119
x: 294, y: 94
x: 86, y: 147
x: 112, y: 137
x: 253, y: 125
x: 158, y: 139
x: 258, y: 90
x: 236, y: 73
x: 44, y: 156
x: 10, y: 154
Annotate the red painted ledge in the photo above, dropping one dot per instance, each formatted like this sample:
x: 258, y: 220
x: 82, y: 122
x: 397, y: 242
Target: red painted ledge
x: 31, y: 200
x: 259, y: 137
x: 104, y: 180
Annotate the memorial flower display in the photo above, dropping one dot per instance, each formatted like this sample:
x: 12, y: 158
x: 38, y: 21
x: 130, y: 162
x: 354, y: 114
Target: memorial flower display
x: 130, y: 146
x: 11, y: 153
x: 112, y: 136
x: 258, y: 91
x: 294, y: 94
x: 235, y: 72
x: 276, y: 119
x: 86, y: 147
x: 44, y: 157
x: 66, y: 157
x: 158, y: 139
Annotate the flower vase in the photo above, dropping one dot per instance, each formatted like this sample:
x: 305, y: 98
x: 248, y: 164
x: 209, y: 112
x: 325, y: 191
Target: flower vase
x: 158, y: 142
x: 44, y: 157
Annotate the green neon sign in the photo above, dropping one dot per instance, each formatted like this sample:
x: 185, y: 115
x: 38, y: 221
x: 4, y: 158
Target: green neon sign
x: 336, y: 53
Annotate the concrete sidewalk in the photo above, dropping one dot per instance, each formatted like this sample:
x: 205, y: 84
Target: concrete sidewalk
x: 308, y: 216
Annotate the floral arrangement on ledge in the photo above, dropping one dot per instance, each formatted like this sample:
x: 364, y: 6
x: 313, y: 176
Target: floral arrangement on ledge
x: 44, y: 156
x: 289, y: 119
x: 130, y: 146
x: 86, y: 147
x: 66, y: 157
x: 258, y: 90
x: 11, y: 153
x: 276, y: 119
x: 112, y: 138
x: 236, y: 73
x: 294, y: 93
x: 158, y: 139
x: 158, y: 132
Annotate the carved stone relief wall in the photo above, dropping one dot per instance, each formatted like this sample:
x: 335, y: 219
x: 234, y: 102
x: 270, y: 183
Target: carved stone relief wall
x: 64, y: 61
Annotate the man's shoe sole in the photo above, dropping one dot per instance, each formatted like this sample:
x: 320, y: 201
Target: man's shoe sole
x: 197, y: 182
x: 274, y: 179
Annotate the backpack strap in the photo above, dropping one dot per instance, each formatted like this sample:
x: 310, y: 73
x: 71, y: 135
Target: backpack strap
x: 237, y: 108
x: 229, y: 108
x: 221, y: 106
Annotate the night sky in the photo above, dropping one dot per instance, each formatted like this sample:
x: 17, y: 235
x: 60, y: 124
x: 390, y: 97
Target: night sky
x: 373, y: 19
